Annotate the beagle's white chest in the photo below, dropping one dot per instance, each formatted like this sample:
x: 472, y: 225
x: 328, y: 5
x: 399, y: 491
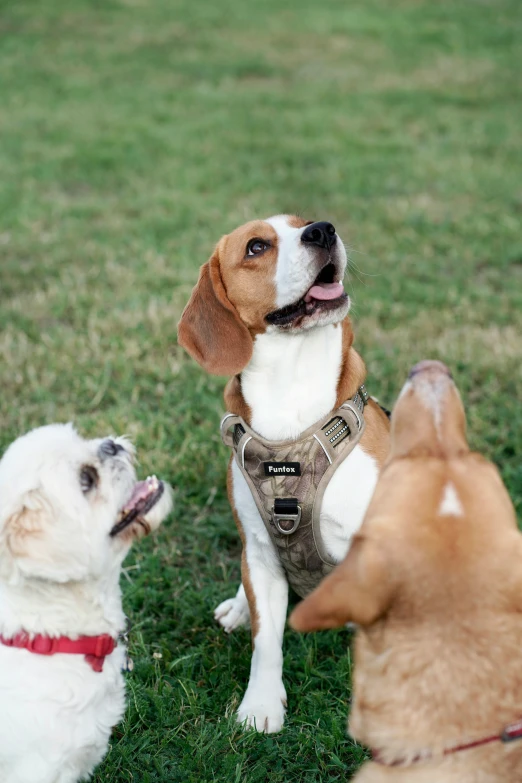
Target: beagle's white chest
x: 345, y: 501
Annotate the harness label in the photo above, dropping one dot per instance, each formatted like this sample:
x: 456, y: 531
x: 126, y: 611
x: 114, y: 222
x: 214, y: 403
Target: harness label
x: 282, y: 468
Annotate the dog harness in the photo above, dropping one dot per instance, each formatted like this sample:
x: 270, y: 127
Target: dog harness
x: 94, y: 648
x: 288, y: 479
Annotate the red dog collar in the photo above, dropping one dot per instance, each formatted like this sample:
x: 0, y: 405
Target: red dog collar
x: 94, y: 648
x: 509, y: 734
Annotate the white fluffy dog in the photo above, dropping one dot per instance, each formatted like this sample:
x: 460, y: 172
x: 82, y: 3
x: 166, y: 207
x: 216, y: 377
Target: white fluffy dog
x: 69, y: 511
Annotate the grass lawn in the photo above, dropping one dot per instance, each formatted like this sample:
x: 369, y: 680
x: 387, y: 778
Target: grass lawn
x: 134, y: 133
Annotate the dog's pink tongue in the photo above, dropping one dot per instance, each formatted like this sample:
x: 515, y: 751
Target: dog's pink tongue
x: 325, y: 291
x: 140, y: 491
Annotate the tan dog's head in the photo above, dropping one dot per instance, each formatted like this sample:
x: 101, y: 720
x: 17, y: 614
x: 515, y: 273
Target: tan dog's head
x: 440, y: 530
x: 280, y: 274
x: 69, y: 507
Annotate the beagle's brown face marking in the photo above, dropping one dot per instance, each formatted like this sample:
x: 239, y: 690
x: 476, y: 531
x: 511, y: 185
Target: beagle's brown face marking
x: 298, y: 222
x: 248, y: 260
x: 283, y: 273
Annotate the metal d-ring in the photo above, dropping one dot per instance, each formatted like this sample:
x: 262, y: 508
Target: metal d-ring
x: 287, y: 523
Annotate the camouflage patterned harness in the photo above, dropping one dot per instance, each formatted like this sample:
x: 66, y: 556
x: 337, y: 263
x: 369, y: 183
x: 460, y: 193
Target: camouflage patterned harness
x: 288, y: 479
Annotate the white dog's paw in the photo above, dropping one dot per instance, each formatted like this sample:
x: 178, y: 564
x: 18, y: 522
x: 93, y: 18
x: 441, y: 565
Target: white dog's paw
x: 232, y: 614
x: 263, y: 709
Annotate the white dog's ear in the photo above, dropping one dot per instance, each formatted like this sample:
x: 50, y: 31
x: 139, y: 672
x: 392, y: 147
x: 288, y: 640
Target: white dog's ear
x: 24, y: 526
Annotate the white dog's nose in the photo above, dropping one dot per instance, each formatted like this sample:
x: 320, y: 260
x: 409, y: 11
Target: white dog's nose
x: 109, y: 448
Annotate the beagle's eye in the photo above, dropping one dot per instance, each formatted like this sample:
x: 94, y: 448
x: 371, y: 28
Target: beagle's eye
x: 88, y: 478
x: 256, y: 246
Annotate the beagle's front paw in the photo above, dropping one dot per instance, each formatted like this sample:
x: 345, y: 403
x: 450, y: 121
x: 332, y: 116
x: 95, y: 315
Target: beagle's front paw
x: 232, y: 613
x: 263, y: 709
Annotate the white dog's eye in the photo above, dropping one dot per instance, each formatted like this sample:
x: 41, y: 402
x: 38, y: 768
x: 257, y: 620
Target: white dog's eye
x: 256, y: 246
x: 88, y: 478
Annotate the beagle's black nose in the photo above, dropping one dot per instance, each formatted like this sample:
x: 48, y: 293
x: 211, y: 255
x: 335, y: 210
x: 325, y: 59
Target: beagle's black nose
x: 321, y: 234
x: 109, y: 448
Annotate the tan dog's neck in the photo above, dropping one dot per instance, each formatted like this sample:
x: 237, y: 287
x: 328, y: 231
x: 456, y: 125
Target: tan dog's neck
x: 433, y: 687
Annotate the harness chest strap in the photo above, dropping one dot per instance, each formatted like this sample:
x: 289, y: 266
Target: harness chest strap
x: 287, y: 480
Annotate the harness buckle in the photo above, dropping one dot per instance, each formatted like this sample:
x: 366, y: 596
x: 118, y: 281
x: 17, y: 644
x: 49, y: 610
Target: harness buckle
x: 286, y: 515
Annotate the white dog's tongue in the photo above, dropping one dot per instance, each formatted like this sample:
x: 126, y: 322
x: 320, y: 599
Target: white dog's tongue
x: 142, y: 489
x: 324, y: 291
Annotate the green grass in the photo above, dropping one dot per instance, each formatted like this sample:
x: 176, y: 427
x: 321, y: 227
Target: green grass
x: 134, y: 133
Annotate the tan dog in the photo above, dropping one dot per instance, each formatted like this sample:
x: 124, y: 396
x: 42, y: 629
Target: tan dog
x: 434, y: 580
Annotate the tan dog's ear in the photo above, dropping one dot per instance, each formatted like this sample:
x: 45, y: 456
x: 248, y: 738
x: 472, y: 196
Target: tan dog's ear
x: 358, y: 590
x: 210, y: 328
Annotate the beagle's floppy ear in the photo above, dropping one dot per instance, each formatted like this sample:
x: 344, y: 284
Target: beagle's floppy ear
x: 210, y: 328
x: 359, y: 590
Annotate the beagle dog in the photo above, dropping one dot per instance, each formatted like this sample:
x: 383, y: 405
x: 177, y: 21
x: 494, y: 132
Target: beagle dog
x: 434, y: 582
x: 270, y: 310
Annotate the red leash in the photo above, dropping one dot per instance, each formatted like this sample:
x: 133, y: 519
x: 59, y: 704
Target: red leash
x: 94, y: 648
x: 510, y: 733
